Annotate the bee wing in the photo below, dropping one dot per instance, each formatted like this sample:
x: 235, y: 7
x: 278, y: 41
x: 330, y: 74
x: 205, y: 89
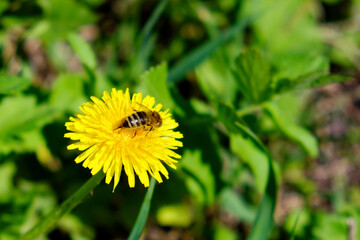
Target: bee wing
x: 142, y: 108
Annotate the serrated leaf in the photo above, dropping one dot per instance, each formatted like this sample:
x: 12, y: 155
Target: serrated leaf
x: 83, y: 51
x: 313, y: 80
x: 293, y: 66
x: 13, y: 84
x: 216, y: 79
x: 293, y: 131
x: 199, y: 180
x: 252, y: 74
x: 155, y: 83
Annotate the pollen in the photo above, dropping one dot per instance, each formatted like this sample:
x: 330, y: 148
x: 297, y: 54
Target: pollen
x: 111, y: 149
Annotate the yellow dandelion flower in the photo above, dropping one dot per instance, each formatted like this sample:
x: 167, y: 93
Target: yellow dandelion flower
x: 111, y: 144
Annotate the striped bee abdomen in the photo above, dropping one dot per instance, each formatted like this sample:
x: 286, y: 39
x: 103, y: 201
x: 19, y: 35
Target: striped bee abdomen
x: 136, y: 120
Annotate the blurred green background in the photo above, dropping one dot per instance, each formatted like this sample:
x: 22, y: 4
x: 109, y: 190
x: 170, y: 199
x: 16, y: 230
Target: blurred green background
x: 285, y: 70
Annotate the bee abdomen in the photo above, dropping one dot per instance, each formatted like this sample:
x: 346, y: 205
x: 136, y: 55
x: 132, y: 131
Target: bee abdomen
x: 135, y: 120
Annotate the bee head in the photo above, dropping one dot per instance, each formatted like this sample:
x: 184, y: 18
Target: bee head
x: 157, y: 119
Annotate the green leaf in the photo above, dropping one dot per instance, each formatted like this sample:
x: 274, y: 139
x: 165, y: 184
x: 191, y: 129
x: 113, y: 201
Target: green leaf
x: 7, y: 172
x: 68, y: 93
x: 76, y: 228
x: 156, y: 85
x: 254, y: 157
x: 224, y: 232
x: 285, y: 27
x: 3, y: 6
x: 231, y: 202
x: 143, y: 214
x: 178, y: 215
x: 83, y: 51
x: 313, y: 80
x: 197, y: 56
x: 252, y: 74
x: 215, y: 78
x: 331, y: 227
x: 27, y: 202
x: 13, y: 84
x: 22, y: 116
x: 199, y: 178
x: 59, y: 18
x: 227, y: 115
x: 318, y: 81
x: 293, y: 131
x: 264, y: 218
x: 292, y: 66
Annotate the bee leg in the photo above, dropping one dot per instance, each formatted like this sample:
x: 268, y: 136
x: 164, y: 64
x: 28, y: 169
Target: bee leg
x: 134, y: 134
x: 149, y: 130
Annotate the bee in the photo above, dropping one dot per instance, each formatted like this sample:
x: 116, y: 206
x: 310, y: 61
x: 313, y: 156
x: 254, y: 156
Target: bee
x: 143, y: 119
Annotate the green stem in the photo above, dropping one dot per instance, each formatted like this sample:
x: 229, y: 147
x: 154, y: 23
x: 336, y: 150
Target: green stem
x: 143, y: 214
x: 48, y: 222
x: 250, y: 109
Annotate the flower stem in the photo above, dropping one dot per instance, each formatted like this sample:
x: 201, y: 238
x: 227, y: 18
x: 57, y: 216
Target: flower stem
x: 48, y: 222
x: 143, y: 214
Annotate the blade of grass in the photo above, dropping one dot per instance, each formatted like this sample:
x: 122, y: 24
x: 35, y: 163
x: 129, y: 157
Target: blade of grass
x: 198, y: 55
x: 294, y: 227
x: 146, y: 31
x: 143, y: 214
x: 144, y: 44
x: 48, y: 222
